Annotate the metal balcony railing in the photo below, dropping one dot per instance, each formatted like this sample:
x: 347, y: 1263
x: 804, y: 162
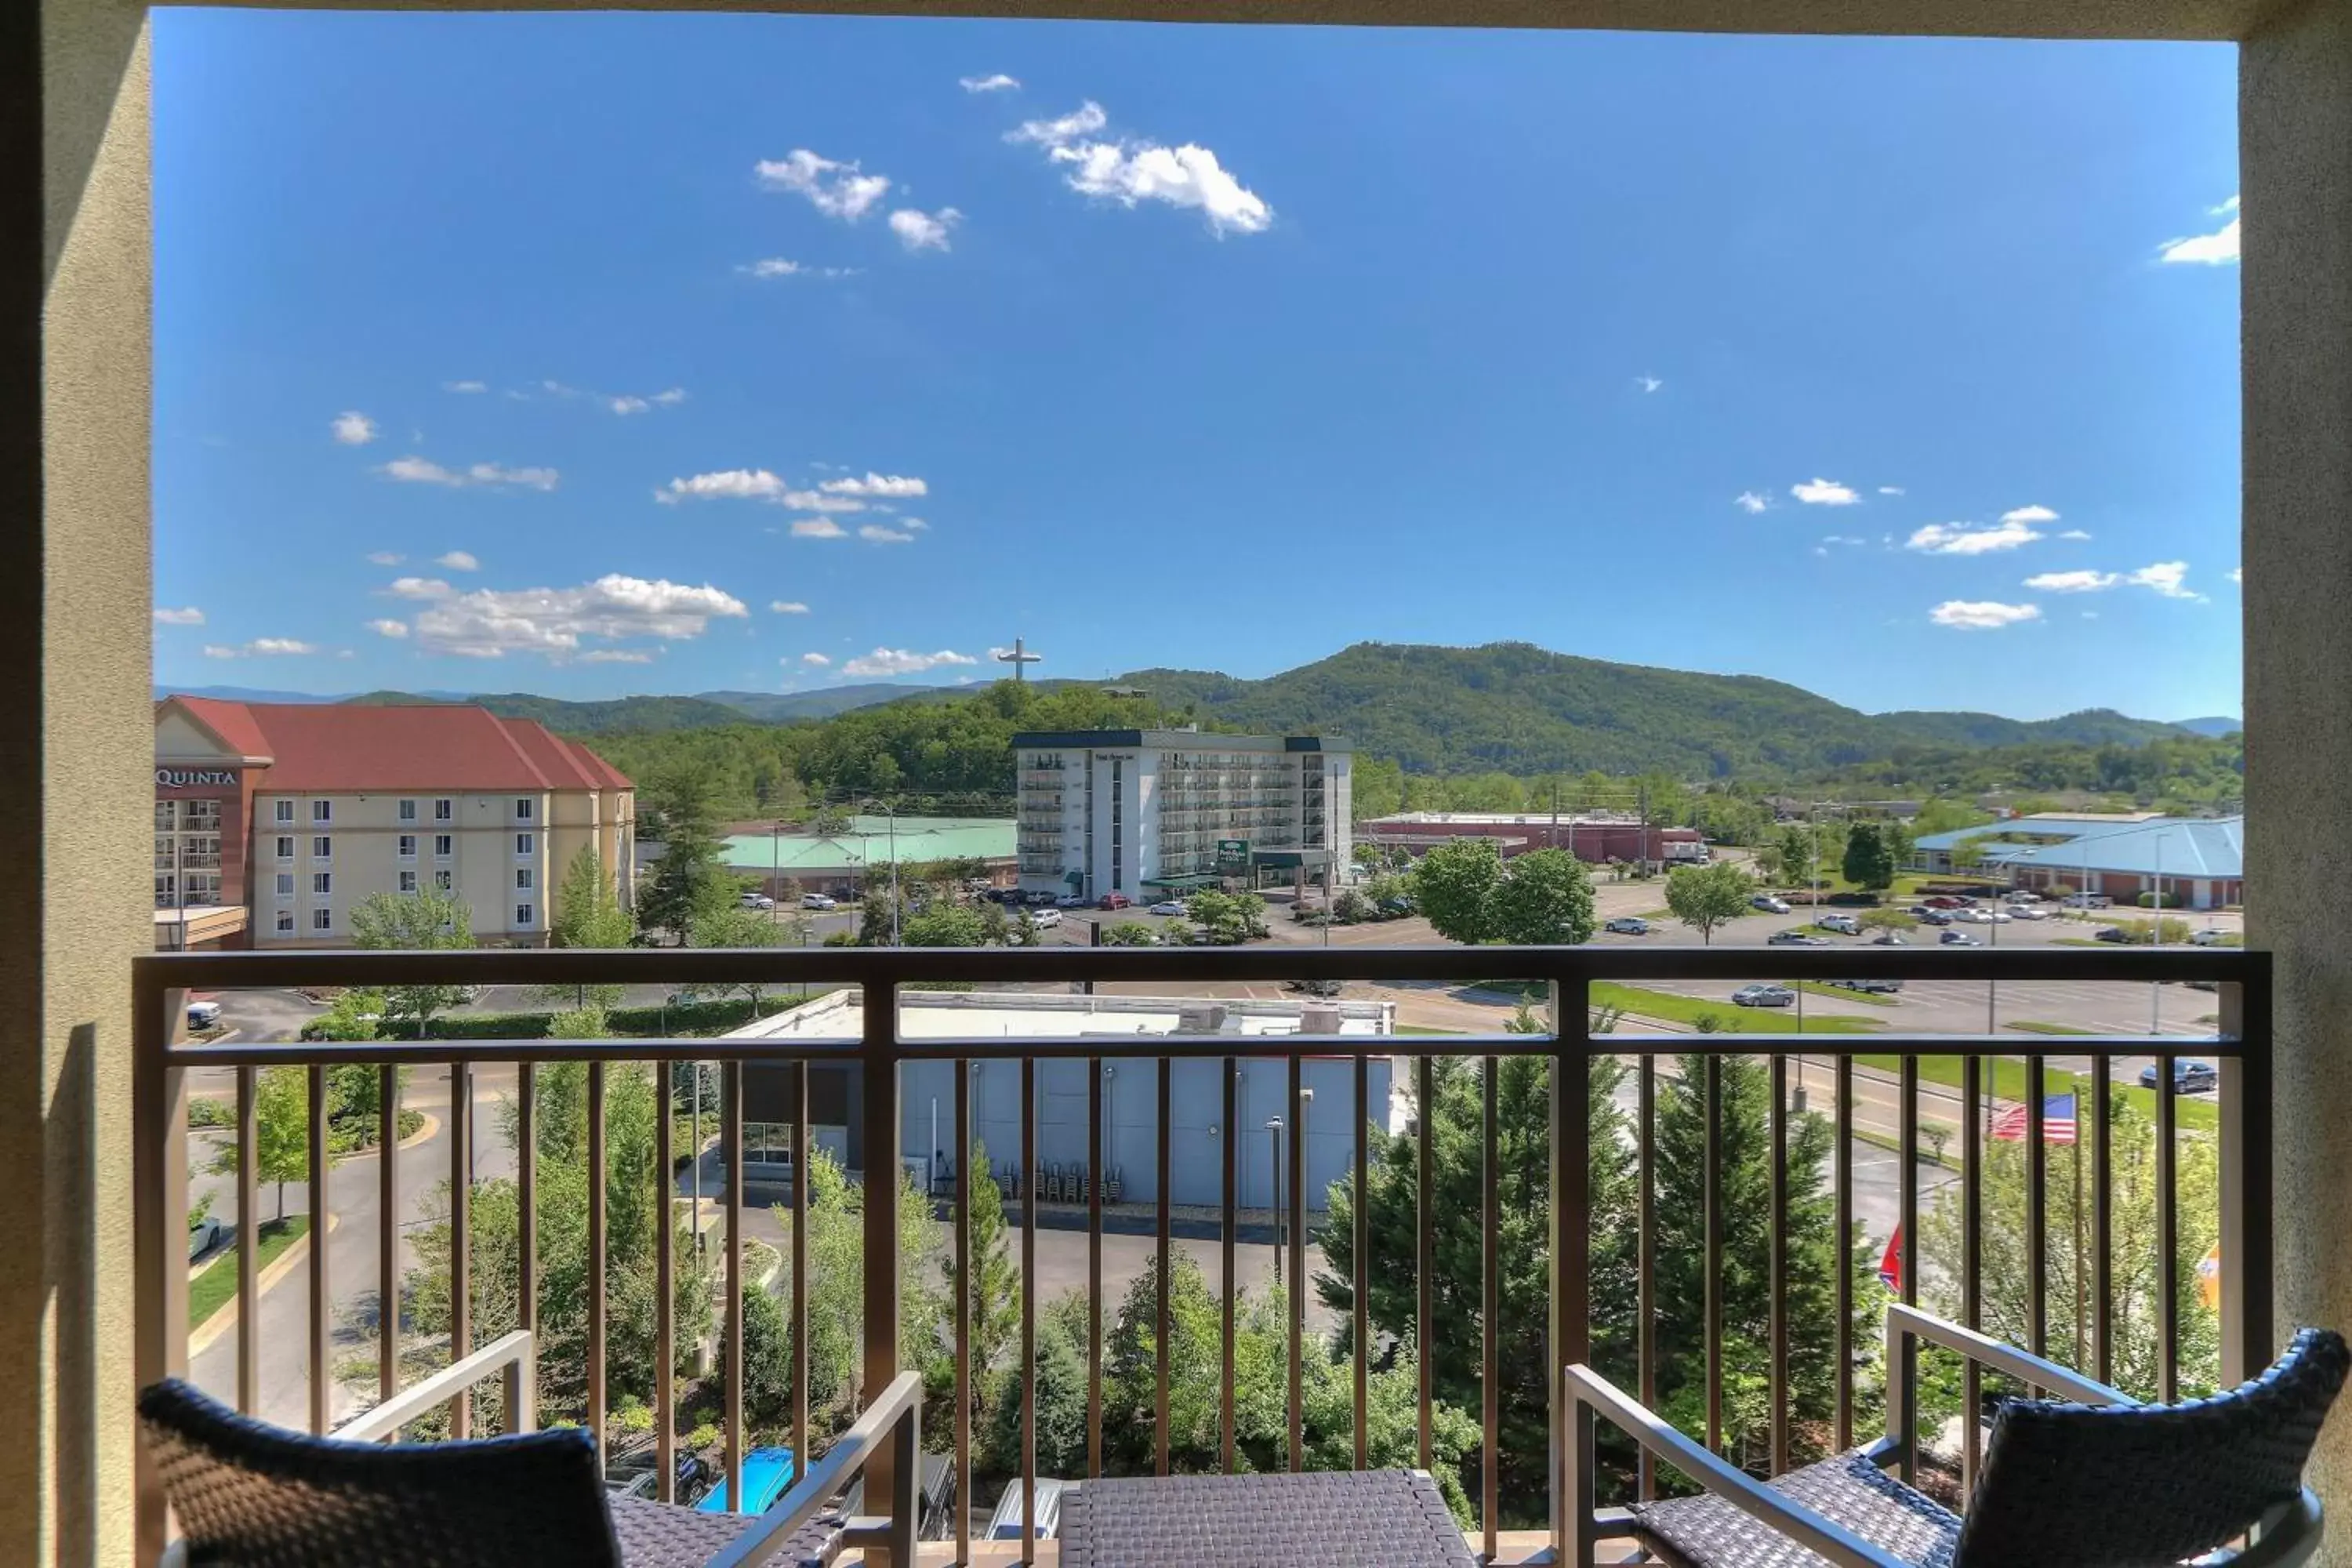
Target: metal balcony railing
x: 1992, y: 1071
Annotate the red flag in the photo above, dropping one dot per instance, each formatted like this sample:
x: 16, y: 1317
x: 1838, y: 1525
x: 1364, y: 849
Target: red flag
x: 1890, y: 1268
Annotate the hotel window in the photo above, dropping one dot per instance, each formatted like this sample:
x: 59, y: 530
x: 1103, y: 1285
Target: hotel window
x: 322, y: 849
x: 522, y: 879
x: 163, y: 861
x: 522, y: 914
x: 166, y: 890
x: 163, y: 816
x: 444, y: 845
x: 285, y: 811
x: 286, y: 922
x: 407, y: 811
x: 523, y: 844
x: 768, y: 1143
x: 285, y: 846
x: 523, y: 808
x: 200, y: 816
x: 322, y: 882
x: 322, y: 811
x: 442, y: 809
x: 322, y: 920
x: 408, y: 881
x: 441, y: 880
x: 408, y: 846
x: 285, y: 884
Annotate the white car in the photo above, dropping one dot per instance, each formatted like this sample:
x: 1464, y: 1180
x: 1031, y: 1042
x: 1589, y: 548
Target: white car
x: 202, y: 1015
x: 2020, y: 896
x: 2209, y: 937
x: 1046, y: 918
x: 757, y: 902
x: 1846, y: 923
x: 2029, y: 912
x: 818, y: 901
x: 1071, y: 902
x: 1169, y: 907
x: 1768, y: 904
x: 1973, y: 916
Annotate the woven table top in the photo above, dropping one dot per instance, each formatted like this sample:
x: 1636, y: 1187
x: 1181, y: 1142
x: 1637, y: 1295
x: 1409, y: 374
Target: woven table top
x: 1360, y: 1519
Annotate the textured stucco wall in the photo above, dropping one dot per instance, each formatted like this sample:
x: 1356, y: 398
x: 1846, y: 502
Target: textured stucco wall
x: 75, y: 767
x: 2295, y: 146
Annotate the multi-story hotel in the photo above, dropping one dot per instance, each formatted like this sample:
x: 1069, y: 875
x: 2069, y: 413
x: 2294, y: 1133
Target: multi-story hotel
x: 1153, y: 811
x: 273, y: 820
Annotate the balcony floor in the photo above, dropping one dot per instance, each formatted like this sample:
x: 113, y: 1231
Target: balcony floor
x: 1514, y: 1547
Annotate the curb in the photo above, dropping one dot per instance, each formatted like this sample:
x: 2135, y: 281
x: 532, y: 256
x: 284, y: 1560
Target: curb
x: 432, y: 1125
x: 205, y: 1335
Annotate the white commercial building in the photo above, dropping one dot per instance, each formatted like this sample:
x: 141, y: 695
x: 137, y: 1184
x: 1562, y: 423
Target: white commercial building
x: 1122, y: 1030
x: 1154, y: 813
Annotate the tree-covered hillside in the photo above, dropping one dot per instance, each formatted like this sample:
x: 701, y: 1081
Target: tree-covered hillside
x: 638, y: 714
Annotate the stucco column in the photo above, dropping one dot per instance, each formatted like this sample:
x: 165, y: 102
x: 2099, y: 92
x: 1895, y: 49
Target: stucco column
x: 2295, y: 130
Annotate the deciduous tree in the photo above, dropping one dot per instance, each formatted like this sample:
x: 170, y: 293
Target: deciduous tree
x: 1454, y: 884
x: 1705, y: 897
x: 1545, y: 898
x: 425, y: 920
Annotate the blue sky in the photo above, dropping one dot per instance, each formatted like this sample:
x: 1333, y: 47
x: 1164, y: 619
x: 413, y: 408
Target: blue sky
x: 1253, y: 343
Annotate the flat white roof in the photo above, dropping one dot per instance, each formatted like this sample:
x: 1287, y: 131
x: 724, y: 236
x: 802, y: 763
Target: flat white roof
x: 978, y: 1014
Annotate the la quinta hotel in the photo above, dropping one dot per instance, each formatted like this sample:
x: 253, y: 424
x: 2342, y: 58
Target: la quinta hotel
x: 274, y: 820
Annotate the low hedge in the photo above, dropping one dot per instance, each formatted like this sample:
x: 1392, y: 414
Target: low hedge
x: 688, y: 1018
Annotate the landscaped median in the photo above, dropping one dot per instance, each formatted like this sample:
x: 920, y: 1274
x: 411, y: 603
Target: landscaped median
x: 1728, y: 1018
x: 216, y: 1287
x: 2007, y: 1082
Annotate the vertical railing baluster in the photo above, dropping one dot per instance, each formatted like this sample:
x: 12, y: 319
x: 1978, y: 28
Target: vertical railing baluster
x: 730, y: 1133
x: 665, y: 1287
x: 1231, y: 1154
x: 1712, y: 1220
x: 159, y: 1196
x: 461, y: 1234
x: 800, y: 1093
x: 1842, y: 1199
x: 2167, y: 1231
x: 387, y: 1237
x: 1296, y: 1417
x: 1425, y: 1261
x: 597, y: 1259
x: 1971, y: 1259
x: 2037, y: 1210
x: 1029, y: 1309
x: 248, y: 1249
x: 323, y: 1381
x: 881, y: 1121
x: 1904, y: 1382
x: 1490, y: 1299
x: 527, y: 1197
x: 1777, y: 1373
x: 1360, y: 1328
x: 964, y: 1291
x: 2103, y: 1219
x: 2244, y: 1127
x: 1645, y: 1287
x: 1569, y: 1335
x: 1094, y: 1265
x: 1160, y: 1318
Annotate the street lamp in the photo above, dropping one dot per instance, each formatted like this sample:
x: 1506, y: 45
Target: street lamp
x: 1274, y: 1164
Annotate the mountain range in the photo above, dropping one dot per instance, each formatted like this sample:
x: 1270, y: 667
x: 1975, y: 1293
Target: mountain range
x: 1512, y: 707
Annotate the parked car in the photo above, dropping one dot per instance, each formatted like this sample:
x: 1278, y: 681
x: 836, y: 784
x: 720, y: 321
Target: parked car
x: 202, y: 1015
x: 1763, y: 996
x: 1973, y: 916
x: 2188, y: 1076
x: 1169, y: 907
x: 1959, y: 939
x: 1004, y: 1525
x: 1870, y: 987
x: 2028, y: 912
x: 2209, y: 937
x: 767, y: 1475
x: 1794, y: 938
x: 204, y: 1234
x: 1935, y: 917
x: 1948, y: 901
x: 819, y: 901
x: 1046, y: 918
x: 1070, y: 902
x: 1768, y: 904
x: 2089, y: 901
x: 1890, y: 939
x: 755, y: 900
x: 1845, y: 924
x: 1629, y: 925
x: 2112, y: 934
x: 1116, y: 900
x: 1397, y: 908
x: 2021, y: 896
x: 635, y: 1473
x: 1038, y: 898
x: 1313, y: 987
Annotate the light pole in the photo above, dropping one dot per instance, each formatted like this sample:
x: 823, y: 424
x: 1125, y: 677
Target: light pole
x: 1274, y: 1164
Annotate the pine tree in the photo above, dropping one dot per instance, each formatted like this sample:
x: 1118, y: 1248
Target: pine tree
x: 995, y: 1280
x: 588, y: 913
x: 689, y: 879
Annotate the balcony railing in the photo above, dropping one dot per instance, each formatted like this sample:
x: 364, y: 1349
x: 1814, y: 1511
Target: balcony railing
x: 1992, y: 1072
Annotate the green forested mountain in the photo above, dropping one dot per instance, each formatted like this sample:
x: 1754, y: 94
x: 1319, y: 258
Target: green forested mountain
x: 639, y: 714
x: 782, y: 707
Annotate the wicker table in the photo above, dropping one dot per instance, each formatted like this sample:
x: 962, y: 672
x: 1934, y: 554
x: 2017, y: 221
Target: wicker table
x: 1347, y: 1519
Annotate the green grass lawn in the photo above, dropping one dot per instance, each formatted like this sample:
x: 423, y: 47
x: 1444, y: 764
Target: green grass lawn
x: 1731, y: 1019
x: 2037, y: 1027
x: 1823, y: 988
x: 2008, y: 1083
x: 213, y: 1288
x: 1424, y: 1029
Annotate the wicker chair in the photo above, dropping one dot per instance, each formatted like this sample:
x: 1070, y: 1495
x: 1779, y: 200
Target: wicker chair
x: 249, y: 1495
x: 2097, y: 1480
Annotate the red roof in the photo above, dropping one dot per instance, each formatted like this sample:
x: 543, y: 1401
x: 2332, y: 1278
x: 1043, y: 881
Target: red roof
x: 343, y: 748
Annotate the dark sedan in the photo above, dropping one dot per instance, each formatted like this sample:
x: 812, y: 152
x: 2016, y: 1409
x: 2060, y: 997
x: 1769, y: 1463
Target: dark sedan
x: 2188, y: 1076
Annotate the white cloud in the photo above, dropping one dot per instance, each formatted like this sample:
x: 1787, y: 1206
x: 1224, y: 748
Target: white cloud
x: 554, y: 622
x: 353, y: 428
x: 1957, y: 539
x: 466, y: 386
x: 2219, y: 249
x: 2074, y: 533
x: 1648, y: 383
x: 816, y: 528
x: 875, y: 534
x: 424, y: 471
x: 999, y: 82
x: 2072, y: 581
x: 889, y: 661
x: 261, y: 647
x: 394, y: 629
x: 731, y: 484
x: 1824, y: 492
x: 1129, y: 171
x: 1982, y: 615
x: 1890, y: 489
x: 419, y: 588
x: 782, y: 266
x: 2030, y: 514
x: 814, y: 661
x: 924, y: 231
x: 2165, y: 578
x: 917, y: 523
x: 2090, y: 614
x: 815, y: 500
x: 1751, y: 504
x: 458, y: 561
x: 190, y: 616
x: 1843, y: 538
x: 787, y: 607
x: 836, y: 189
x: 384, y: 558
x: 2235, y: 575
x: 615, y: 656
x: 898, y: 485
x: 670, y: 396
x: 627, y: 404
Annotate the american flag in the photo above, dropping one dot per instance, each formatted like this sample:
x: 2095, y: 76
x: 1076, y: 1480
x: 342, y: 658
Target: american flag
x: 2057, y: 1120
